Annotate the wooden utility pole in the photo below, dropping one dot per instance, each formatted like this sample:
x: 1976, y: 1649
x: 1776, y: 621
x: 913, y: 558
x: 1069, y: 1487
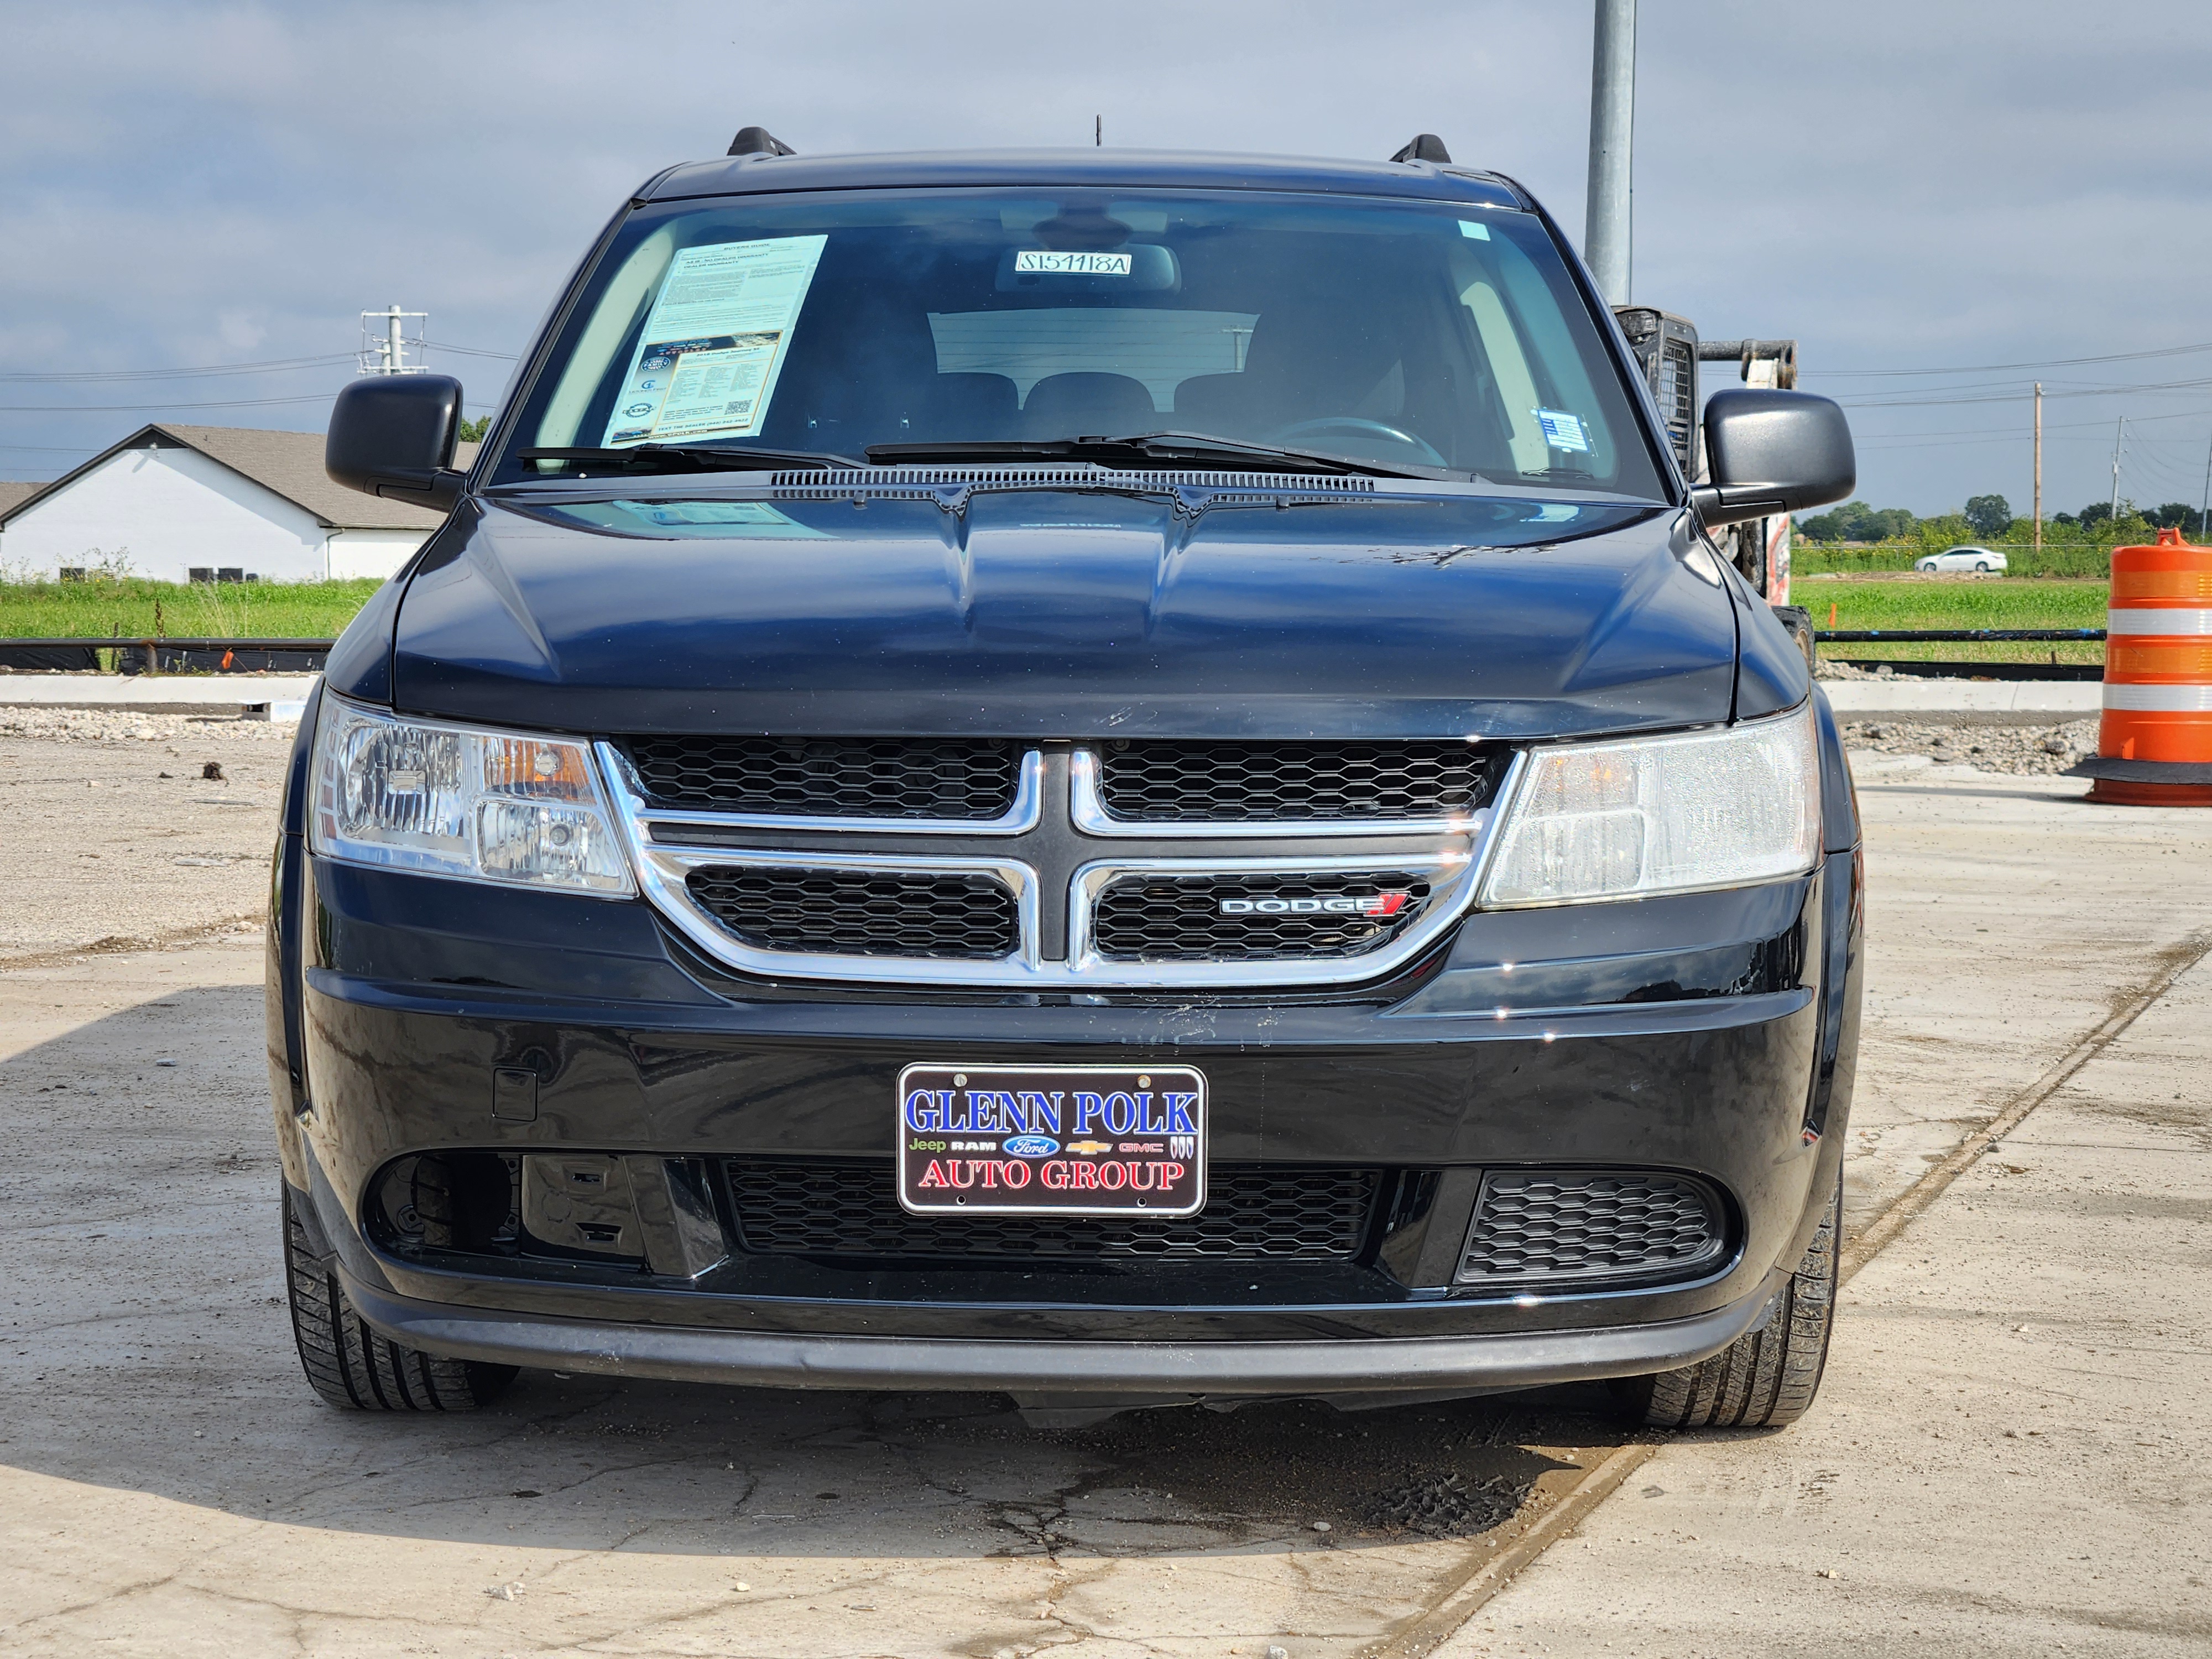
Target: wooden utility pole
x: 2038, y: 466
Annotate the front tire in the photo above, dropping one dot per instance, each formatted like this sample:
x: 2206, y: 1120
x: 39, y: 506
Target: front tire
x: 1767, y: 1377
x: 353, y: 1367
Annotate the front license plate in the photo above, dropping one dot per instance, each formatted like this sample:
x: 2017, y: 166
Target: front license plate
x: 1052, y: 1140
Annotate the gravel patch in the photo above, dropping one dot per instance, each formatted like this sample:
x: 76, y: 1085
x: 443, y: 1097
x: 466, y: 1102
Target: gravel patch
x: 1449, y: 1506
x: 137, y: 726
x: 2025, y: 751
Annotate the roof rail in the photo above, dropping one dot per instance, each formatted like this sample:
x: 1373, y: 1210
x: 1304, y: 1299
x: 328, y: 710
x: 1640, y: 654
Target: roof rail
x: 1424, y: 147
x: 758, y: 141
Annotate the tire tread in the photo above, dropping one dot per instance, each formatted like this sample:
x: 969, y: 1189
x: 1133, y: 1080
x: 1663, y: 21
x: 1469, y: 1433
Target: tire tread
x: 354, y: 1367
x: 1767, y: 1377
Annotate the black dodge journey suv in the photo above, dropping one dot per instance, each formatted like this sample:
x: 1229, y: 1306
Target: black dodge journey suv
x: 1121, y: 778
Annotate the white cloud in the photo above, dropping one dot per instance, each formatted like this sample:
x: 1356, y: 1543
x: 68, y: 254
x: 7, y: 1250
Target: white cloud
x: 1894, y: 184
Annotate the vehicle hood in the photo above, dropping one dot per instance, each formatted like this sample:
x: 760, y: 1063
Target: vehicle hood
x: 1068, y: 614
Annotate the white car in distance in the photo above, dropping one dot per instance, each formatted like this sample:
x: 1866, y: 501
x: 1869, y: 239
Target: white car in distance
x: 1962, y: 558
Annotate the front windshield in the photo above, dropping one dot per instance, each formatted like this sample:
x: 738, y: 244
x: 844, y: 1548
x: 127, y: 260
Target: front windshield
x: 1427, y: 339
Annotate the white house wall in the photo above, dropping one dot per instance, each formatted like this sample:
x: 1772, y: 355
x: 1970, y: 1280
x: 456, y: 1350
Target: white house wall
x: 172, y: 509
x: 376, y: 553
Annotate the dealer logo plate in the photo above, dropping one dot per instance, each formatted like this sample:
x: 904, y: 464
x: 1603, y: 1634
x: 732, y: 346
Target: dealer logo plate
x: 1104, y: 1141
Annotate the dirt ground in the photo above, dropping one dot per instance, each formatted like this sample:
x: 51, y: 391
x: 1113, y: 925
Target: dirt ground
x: 116, y: 836
x: 169, y: 1485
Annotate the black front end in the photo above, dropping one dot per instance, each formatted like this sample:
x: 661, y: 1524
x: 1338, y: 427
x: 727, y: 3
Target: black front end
x: 1450, y: 1148
x: 1095, y: 775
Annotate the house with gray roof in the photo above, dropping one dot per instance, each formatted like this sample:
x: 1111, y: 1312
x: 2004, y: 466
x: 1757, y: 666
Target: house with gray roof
x: 198, y: 502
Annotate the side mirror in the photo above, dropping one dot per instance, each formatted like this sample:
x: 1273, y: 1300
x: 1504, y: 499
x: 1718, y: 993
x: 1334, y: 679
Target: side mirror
x: 392, y: 435
x: 1771, y: 452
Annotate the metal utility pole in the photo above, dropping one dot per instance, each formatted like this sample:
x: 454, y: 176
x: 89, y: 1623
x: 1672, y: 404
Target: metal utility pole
x: 2119, y: 433
x: 384, y: 341
x: 1607, y: 233
x: 2038, y: 466
x: 2205, y: 511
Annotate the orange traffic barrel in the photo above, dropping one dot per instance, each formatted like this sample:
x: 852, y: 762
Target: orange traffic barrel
x: 2154, y: 744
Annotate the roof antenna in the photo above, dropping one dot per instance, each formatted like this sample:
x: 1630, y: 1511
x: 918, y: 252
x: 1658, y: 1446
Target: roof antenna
x: 1098, y: 132
x: 758, y: 141
x: 1425, y: 147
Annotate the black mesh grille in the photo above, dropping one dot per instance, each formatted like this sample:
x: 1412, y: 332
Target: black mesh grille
x: 1555, y: 1226
x: 829, y: 777
x: 858, y: 914
x: 1276, y: 1212
x: 1183, y: 918
x: 1164, y: 783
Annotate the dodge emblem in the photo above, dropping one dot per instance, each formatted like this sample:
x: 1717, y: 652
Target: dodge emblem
x: 1338, y: 904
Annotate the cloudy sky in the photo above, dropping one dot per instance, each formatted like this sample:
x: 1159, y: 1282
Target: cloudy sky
x: 2002, y: 190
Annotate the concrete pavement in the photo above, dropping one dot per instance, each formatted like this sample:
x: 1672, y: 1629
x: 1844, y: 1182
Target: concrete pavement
x: 2009, y: 1455
x: 1907, y: 694
x: 151, y: 691
x: 168, y: 1485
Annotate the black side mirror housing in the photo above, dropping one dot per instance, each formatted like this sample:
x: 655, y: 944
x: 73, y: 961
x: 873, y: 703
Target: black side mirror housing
x: 392, y: 435
x: 1771, y: 452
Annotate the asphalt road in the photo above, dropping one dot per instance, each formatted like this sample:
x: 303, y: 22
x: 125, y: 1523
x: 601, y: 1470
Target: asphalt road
x: 168, y: 1485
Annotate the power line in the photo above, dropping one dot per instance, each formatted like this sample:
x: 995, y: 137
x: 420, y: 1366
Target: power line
x: 274, y: 366
x: 1992, y: 368
x: 126, y: 408
x: 271, y: 365
x: 2066, y: 426
x: 471, y: 351
x: 2017, y: 396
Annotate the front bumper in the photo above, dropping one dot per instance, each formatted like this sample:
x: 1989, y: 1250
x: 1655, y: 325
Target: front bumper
x: 1474, y: 1365
x: 1709, y: 1034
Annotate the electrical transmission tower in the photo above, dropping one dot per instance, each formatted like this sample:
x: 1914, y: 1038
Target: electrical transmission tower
x: 385, y: 341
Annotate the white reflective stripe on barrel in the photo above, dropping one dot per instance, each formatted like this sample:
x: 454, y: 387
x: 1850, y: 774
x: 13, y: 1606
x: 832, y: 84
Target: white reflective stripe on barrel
x: 2160, y: 699
x: 2153, y: 620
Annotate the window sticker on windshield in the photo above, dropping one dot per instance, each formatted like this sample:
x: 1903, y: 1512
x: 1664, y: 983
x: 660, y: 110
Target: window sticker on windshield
x: 707, y: 359
x: 1563, y: 431
x: 1475, y: 228
x: 1050, y: 263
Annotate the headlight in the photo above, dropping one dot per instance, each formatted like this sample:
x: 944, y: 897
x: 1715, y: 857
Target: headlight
x: 501, y: 806
x: 1660, y: 815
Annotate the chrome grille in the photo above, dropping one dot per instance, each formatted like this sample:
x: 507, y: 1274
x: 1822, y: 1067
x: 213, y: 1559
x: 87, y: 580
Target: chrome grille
x: 1182, y: 917
x: 829, y: 777
x: 1052, y: 892
x: 1572, y: 1227
x: 1278, y: 1213
x: 853, y: 913
x: 1145, y: 781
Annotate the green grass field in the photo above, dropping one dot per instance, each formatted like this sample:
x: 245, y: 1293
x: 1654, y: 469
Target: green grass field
x: 1813, y: 558
x: 130, y: 608
x: 2000, y: 602
x: 134, y: 609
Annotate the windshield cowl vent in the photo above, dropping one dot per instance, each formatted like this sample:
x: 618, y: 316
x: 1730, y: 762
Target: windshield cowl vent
x: 835, y: 481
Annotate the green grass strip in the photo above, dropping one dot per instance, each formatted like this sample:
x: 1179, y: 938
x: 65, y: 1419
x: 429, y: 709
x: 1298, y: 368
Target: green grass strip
x: 132, y: 608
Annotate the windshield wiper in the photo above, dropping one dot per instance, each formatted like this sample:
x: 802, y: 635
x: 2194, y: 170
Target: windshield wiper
x: 1188, y: 447
x: 692, y: 458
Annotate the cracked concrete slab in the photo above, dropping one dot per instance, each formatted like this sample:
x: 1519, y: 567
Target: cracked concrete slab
x: 2007, y: 1456
x: 169, y: 1485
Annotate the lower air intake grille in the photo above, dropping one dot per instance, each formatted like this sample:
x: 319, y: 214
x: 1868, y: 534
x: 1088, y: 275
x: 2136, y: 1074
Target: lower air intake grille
x: 1251, y: 1213
x: 829, y: 777
x: 1249, y: 918
x: 1573, y: 1227
x: 847, y: 913
x: 1167, y: 782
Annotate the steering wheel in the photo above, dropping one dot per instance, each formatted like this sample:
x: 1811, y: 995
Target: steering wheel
x: 1355, y: 426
